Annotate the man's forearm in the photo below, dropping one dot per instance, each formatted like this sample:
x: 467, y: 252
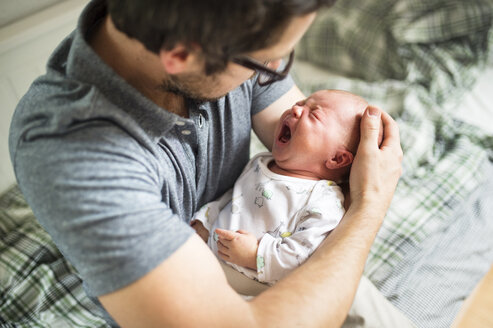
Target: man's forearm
x: 320, y: 292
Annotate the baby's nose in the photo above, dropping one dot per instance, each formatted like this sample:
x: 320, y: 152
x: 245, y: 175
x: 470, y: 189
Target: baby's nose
x: 297, y: 111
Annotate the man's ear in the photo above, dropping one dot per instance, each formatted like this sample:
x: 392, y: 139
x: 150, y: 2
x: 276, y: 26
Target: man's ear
x: 342, y: 158
x: 177, y: 60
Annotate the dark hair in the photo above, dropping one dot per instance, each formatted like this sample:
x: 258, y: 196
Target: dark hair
x: 222, y: 28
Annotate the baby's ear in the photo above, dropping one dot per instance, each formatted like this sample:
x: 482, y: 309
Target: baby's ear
x: 342, y: 158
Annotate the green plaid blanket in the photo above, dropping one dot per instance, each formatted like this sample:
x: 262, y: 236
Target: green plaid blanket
x: 414, y: 58
x: 38, y: 287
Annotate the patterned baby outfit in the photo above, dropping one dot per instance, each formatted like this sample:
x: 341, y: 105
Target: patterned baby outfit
x: 289, y: 216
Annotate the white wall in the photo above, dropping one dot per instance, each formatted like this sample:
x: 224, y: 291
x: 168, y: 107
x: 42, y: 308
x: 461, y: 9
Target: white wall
x: 14, y: 10
x: 25, y: 46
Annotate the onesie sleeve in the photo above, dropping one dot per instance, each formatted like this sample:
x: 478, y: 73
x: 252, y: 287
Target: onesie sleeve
x: 278, y: 255
x: 209, y: 213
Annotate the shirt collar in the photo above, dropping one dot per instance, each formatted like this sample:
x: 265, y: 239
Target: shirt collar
x: 84, y: 65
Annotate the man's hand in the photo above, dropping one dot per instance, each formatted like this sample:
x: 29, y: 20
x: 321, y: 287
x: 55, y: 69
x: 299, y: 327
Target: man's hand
x: 165, y: 295
x: 238, y: 247
x: 201, y: 230
x: 376, y: 170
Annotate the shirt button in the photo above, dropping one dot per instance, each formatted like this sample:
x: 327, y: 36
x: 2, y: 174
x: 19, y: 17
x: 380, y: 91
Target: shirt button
x: 180, y: 123
x: 201, y: 120
x: 186, y: 132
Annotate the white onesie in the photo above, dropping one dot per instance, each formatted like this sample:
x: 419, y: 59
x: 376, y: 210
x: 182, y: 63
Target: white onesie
x: 290, y: 216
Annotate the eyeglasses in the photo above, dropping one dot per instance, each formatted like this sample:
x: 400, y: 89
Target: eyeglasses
x: 266, y: 75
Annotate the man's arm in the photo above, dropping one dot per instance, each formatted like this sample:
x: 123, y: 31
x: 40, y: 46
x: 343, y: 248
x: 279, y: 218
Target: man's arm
x: 264, y: 123
x: 189, y: 288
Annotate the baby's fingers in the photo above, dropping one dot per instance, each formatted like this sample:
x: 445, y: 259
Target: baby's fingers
x: 223, y: 256
x: 222, y: 248
x: 225, y: 234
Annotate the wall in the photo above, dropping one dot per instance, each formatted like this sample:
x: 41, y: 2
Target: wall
x: 14, y: 10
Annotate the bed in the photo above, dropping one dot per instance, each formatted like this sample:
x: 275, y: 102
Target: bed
x: 429, y: 63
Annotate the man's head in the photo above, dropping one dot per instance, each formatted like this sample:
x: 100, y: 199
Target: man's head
x: 320, y: 135
x: 197, y: 40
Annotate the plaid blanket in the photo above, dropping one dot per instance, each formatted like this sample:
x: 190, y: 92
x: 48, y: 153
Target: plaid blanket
x: 38, y: 287
x: 431, y: 281
x: 414, y: 58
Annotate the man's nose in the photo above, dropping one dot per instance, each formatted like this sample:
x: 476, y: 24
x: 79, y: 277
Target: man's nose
x: 274, y: 64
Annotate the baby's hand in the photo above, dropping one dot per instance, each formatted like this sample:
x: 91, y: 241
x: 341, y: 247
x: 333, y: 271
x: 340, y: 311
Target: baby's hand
x: 200, y: 229
x: 238, y: 247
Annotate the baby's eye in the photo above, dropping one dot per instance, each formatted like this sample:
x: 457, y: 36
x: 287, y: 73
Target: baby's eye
x: 301, y: 103
x: 314, y: 113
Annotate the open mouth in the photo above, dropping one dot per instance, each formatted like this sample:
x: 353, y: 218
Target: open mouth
x: 285, y: 134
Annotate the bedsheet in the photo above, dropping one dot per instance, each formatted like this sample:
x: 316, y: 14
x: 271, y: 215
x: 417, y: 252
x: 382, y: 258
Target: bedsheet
x: 418, y: 60
x: 38, y: 287
x: 433, y: 279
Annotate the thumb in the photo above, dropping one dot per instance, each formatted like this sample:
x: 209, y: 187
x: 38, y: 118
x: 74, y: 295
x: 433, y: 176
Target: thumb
x: 243, y: 232
x: 370, y: 126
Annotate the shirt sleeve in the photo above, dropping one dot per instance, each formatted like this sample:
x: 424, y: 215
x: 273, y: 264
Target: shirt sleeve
x: 263, y: 96
x: 100, y: 200
x: 277, y: 256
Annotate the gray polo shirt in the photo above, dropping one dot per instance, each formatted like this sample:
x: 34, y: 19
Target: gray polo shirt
x: 114, y: 178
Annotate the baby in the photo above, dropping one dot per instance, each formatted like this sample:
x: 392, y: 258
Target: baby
x: 284, y: 204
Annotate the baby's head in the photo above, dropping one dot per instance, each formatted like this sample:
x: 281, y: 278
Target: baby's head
x: 318, y: 137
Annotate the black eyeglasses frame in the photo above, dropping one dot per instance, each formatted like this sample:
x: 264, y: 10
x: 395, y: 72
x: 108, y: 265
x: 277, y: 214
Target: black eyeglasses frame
x: 273, y: 76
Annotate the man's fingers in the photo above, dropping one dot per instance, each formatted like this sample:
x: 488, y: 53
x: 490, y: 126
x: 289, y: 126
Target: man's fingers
x: 390, y: 131
x: 370, y: 126
x: 225, y: 234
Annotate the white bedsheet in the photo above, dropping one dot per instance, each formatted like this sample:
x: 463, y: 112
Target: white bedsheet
x: 477, y: 106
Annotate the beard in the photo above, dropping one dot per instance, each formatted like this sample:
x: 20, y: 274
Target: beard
x: 192, y: 87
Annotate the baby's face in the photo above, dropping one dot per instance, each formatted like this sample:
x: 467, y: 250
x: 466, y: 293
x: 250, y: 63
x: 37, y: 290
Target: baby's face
x: 314, y: 129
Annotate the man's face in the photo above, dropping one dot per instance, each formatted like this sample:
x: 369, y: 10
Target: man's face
x: 201, y: 87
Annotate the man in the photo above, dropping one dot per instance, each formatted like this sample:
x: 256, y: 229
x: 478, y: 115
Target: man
x: 143, y: 116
